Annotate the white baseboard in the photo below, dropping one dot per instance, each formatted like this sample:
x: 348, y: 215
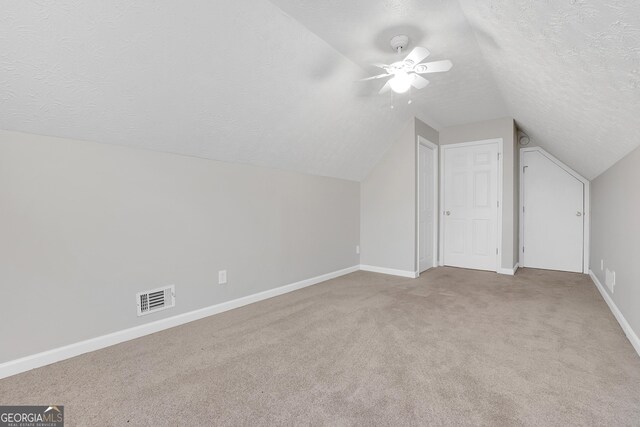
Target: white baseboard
x: 631, y: 335
x: 391, y: 271
x: 509, y: 271
x: 27, y: 363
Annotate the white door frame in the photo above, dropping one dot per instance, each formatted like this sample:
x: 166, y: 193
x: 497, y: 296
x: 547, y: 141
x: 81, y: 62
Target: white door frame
x: 499, y: 143
x: 586, y: 208
x: 426, y: 143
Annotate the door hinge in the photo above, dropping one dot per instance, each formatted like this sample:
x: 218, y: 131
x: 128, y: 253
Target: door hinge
x: 496, y: 251
x: 523, y: 209
x: 524, y: 169
x: 498, y: 156
x: 523, y: 249
x: 498, y: 203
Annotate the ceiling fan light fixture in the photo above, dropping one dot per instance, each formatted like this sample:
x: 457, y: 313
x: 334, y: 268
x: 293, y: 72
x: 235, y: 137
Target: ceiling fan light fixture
x: 408, y: 73
x: 401, y: 82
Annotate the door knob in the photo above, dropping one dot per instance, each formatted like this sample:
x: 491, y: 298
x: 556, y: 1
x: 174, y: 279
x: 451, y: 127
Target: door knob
x: 578, y: 213
x: 447, y: 213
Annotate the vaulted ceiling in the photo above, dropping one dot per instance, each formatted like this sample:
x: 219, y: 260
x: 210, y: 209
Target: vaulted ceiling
x: 569, y: 72
x: 274, y: 83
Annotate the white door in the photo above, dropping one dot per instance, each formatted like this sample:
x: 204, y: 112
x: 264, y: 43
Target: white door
x: 427, y: 170
x: 553, y: 215
x: 470, y: 206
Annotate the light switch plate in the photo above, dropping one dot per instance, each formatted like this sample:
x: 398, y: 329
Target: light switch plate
x: 222, y: 277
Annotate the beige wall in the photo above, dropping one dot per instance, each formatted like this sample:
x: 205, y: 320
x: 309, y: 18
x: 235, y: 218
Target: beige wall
x: 499, y: 128
x: 424, y: 130
x: 387, y: 199
x: 85, y: 226
x: 615, y: 233
x: 388, y: 203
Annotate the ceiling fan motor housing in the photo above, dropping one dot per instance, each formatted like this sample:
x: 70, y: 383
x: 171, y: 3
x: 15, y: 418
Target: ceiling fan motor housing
x: 399, y: 42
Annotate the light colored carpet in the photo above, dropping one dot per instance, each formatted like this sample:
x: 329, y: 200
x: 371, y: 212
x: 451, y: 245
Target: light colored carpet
x: 454, y: 347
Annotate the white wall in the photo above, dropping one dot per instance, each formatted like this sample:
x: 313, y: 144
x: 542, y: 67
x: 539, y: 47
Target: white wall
x: 615, y: 233
x: 85, y: 226
x: 499, y: 128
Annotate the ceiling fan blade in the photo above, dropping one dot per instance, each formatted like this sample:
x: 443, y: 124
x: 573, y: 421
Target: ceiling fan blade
x: 433, y: 67
x: 379, y: 65
x: 418, y: 54
x: 419, y: 82
x: 379, y: 76
x: 385, y: 88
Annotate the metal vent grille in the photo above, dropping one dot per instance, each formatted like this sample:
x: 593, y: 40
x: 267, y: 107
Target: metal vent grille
x: 155, y: 300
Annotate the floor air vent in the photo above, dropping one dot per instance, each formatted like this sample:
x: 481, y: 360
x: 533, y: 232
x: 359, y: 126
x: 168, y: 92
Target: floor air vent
x: 155, y: 300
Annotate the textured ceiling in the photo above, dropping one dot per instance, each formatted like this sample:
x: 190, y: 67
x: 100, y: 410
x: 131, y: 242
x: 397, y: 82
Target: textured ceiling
x: 362, y: 29
x: 274, y: 83
x: 236, y: 81
x: 569, y: 72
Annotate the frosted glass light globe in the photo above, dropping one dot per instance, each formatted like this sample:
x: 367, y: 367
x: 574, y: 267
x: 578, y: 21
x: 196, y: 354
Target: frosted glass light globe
x: 401, y: 82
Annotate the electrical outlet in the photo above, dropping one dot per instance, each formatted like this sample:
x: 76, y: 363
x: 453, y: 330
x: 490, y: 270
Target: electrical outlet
x: 610, y: 280
x: 601, y: 265
x: 358, y: 249
x: 222, y: 277
x: 613, y: 285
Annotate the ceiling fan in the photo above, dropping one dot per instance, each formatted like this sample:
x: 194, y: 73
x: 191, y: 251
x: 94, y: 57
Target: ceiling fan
x: 407, y: 73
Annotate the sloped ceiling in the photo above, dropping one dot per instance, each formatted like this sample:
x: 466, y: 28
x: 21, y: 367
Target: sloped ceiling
x: 230, y: 80
x: 362, y: 29
x: 569, y: 72
x: 274, y: 83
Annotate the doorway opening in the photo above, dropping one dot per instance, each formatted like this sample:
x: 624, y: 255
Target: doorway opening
x: 427, y: 254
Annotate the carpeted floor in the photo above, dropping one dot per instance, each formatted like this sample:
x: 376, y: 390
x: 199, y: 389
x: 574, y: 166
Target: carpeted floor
x: 454, y: 347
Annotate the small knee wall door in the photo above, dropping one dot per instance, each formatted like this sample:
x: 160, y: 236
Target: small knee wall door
x: 553, y: 213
